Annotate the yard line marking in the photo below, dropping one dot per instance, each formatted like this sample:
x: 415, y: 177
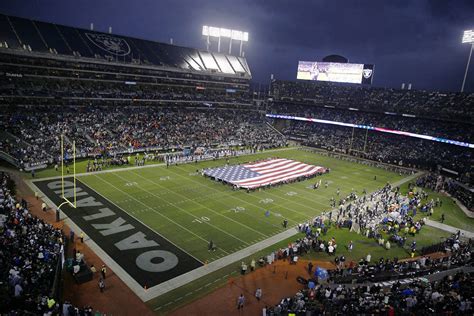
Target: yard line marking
x: 217, y: 213
x: 229, y: 194
x: 190, y: 214
x: 132, y: 197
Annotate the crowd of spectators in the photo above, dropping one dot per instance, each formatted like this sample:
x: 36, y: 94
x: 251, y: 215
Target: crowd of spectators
x: 385, y: 147
x: 137, y: 92
x: 29, y: 254
x: 385, y: 216
x: 432, y: 127
x: 453, y: 105
x: 445, y: 115
x: 99, y: 130
x: 450, y: 295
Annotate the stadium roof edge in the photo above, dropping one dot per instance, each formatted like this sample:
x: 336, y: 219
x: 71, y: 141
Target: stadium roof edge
x: 155, y: 49
x: 19, y: 52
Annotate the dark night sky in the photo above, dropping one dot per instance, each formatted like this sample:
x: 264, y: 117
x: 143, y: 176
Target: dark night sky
x: 416, y: 41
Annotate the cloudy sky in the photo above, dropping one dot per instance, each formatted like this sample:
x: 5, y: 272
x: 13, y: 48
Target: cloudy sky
x: 417, y: 41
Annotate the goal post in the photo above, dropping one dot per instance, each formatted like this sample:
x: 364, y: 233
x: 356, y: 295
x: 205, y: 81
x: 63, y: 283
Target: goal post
x: 72, y: 203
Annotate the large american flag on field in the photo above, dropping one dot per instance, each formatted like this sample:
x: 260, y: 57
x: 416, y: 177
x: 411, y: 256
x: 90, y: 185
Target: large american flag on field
x: 257, y: 174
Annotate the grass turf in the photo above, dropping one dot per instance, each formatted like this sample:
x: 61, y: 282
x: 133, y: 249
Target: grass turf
x: 190, y: 210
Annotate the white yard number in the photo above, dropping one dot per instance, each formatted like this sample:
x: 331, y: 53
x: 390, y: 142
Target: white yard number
x: 201, y: 220
x: 291, y: 193
x: 266, y: 201
x: 129, y: 184
x: 237, y: 209
x: 165, y: 178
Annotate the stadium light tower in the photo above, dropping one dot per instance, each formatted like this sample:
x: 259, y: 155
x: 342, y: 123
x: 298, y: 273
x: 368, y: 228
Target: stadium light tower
x: 218, y: 32
x: 468, y: 37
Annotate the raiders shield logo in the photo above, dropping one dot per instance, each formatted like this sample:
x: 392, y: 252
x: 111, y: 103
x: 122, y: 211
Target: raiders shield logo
x: 367, y: 73
x: 114, y: 45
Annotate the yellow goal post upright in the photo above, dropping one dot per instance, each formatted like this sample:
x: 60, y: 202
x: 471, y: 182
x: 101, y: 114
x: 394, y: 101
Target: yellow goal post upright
x: 72, y: 203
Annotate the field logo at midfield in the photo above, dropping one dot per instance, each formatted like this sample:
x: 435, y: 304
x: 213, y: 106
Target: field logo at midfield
x: 146, y: 256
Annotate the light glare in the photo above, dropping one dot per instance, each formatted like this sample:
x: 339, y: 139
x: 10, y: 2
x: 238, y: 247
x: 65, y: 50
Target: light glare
x: 223, y: 32
x: 468, y: 36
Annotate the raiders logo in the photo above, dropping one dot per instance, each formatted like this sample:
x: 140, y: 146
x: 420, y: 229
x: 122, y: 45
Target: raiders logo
x: 367, y: 73
x: 114, y: 45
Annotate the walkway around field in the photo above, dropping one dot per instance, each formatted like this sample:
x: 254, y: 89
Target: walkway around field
x: 449, y: 229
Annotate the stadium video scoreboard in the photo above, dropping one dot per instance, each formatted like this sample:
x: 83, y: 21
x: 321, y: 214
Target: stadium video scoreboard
x: 335, y: 72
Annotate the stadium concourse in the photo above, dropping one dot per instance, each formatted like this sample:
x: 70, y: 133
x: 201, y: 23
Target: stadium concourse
x: 191, y: 112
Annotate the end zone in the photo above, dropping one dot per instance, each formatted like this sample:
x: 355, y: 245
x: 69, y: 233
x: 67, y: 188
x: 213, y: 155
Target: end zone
x: 142, y: 256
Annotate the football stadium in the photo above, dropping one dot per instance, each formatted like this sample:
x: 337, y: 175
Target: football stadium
x: 196, y: 176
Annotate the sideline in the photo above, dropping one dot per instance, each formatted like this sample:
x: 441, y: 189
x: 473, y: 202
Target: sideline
x: 154, y: 165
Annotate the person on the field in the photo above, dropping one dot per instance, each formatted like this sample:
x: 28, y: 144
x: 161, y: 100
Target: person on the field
x: 103, y: 271
x: 101, y: 284
x: 240, y: 302
x: 258, y: 294
x: 211, y: 246
x: 243, y: 268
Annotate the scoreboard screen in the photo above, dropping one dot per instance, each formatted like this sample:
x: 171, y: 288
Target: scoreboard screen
x: 335, y: 72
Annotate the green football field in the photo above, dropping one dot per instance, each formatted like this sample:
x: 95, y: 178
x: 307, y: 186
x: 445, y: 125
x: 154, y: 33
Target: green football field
x: 189, y: 209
